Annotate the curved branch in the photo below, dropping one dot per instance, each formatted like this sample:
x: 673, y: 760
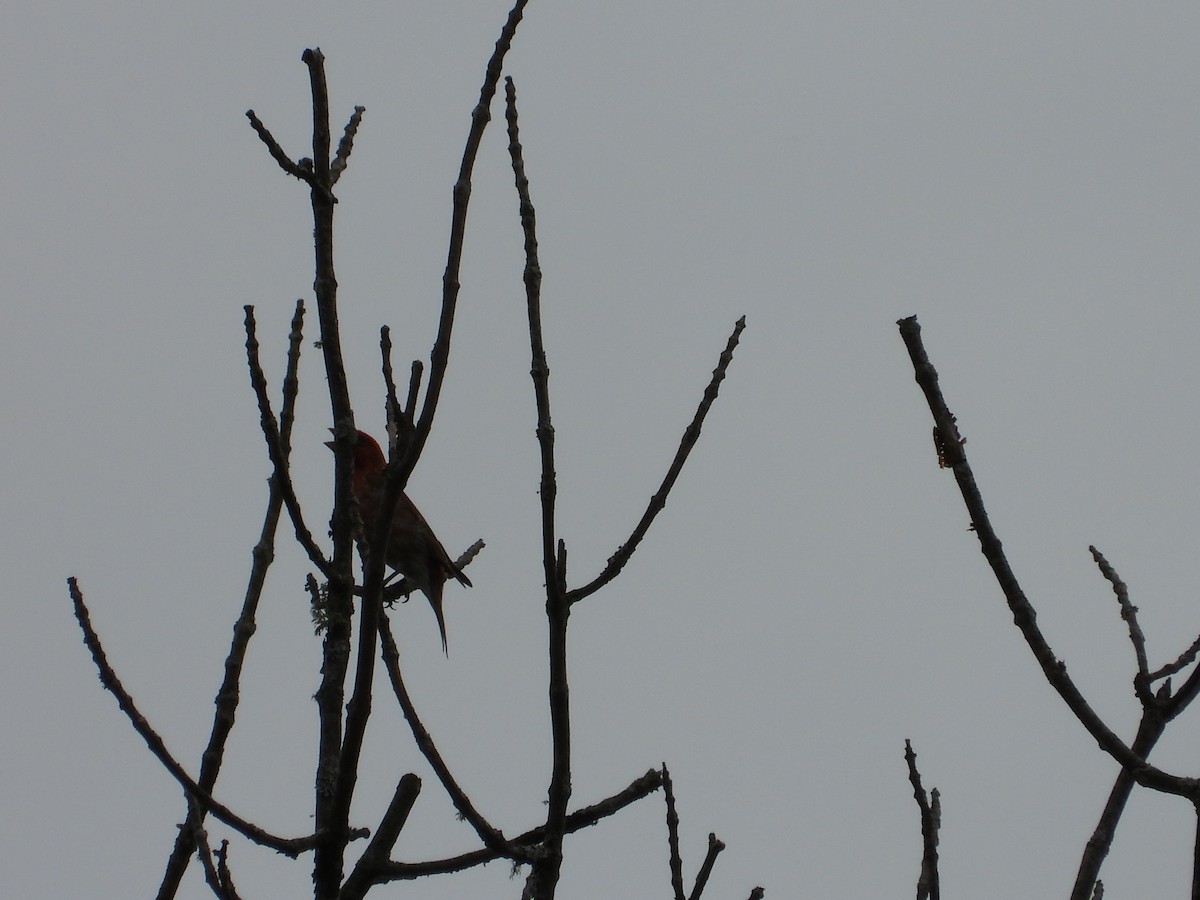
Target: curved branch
x: 292, y: 847
x: 278, y: 445
x: 491, y: 836
x: 690, y: 435
x: 952, y: 455
x: 440, y: 355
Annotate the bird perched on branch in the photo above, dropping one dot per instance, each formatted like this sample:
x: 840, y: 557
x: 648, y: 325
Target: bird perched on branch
x: 413, y: 549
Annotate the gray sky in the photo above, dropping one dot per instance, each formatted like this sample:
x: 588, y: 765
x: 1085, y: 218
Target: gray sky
x: 1022, y: 176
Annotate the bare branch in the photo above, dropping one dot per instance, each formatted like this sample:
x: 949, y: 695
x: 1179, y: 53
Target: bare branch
x: 928, y: 887
x: 576, y: 821
x: 491, y: 836
x: 1023, y: 612
x: 277, y: 449
x: 715, y: 846
x: 277, y: 152
x: 292, y: 847
x: 380, y: 846
x: 1141, y: 682
x: 1150, y: 729
x: 676, y: 861
x: 690, y: 435
x: 440, y: 355
x: 346, y: 145
x: 243, y: 630
x: 544, y: 874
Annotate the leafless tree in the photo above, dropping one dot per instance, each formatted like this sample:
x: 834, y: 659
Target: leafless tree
x: 352, y: 613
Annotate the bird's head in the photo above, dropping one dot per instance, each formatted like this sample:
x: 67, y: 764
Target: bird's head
x: 368, y: 457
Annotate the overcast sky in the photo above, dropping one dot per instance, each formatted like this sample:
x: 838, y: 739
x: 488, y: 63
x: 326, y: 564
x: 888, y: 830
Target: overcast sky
x: 1022, y: 176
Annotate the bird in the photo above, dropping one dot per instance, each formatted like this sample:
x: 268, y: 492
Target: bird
x: 413, y: 549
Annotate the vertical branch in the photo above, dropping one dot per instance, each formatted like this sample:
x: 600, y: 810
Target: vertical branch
x: 328, y: 859
x: 1196, y: 858
x: 440, y: 355
x: 243, y: 630
x: 675, y: 861
x: 927, y: 883
x: 543, y: 876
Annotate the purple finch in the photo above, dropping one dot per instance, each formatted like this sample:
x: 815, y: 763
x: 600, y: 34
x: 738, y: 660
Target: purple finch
x: 412, y: 549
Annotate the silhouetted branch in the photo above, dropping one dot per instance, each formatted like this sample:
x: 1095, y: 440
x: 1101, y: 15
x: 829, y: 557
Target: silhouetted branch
x: 928, y: 887
x: 292, y: 847
x: 243, y: 630
x: 278, y: 447
x: 1150, y: 729
x: 952, y: 455
x: 346, y: 145
x: 491, y: 836
x: 676, y: 861
x: 715, y: 846
x: 380, y: 846
x: 224, y: 876
x: 1141, y: 681
x: 690, y: 435
x: 544, y: 873
x: 576, y: 821
x: 277, y: 152
x: 440, y: 355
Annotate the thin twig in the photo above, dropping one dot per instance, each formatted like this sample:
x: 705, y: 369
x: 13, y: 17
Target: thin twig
x: 224, y: 876
x: 276, y: 448
x: 1141, y: 681
x: 715, y: 846
x: 928, y: 886
x: 690, y: 435
x: 277, y: 152
x: 345, y: 145
x: 675, y: 861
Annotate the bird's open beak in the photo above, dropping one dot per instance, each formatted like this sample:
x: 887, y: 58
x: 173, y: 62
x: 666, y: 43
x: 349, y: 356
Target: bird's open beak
x: 330, y: 444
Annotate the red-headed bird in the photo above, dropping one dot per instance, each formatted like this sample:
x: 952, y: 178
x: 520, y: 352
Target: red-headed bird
x: 413, y: 549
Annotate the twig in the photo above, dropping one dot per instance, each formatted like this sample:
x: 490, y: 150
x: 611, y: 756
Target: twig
x: 715, y: 846
x: 676, y: 861
x: 345, y: 146
x: 277, y: 152
x: 1141, y: 682
x: 690, y: 435
x: 928, y: 887
x: 224, y: 876
x: 276, y: 448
